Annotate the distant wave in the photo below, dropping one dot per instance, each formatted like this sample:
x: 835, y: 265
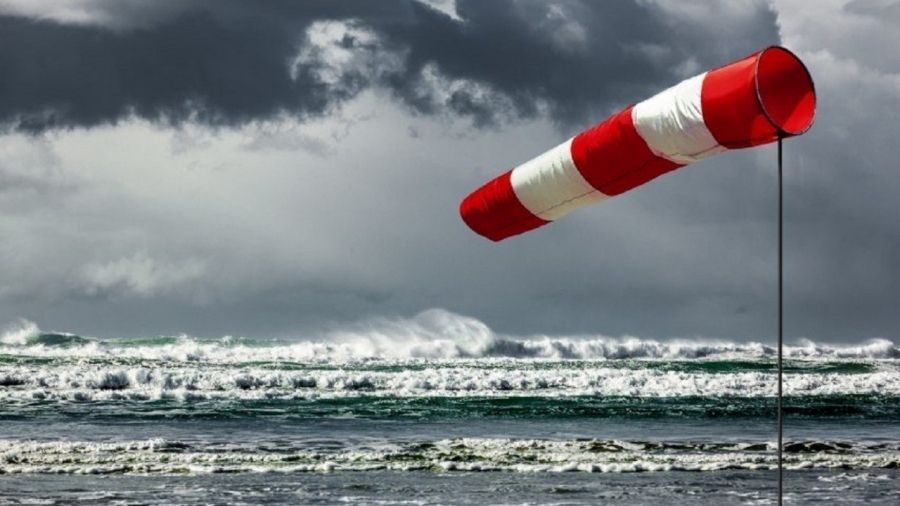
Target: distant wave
x: 431, y: 335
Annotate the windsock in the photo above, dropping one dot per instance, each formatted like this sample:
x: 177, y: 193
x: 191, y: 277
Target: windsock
x: 747, y: 103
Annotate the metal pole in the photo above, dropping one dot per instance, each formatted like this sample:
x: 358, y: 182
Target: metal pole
x: 780, y: 323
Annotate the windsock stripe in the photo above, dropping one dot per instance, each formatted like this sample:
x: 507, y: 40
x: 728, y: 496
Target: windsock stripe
x: 672, y: 124
x: 629, y: 149
x: 551, y: 186
x: 735, y: 123
x: 613, y: 157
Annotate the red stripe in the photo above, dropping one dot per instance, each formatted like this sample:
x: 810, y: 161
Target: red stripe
x: 731, y: 108
x: 613, y: 157
x: 495, y: 212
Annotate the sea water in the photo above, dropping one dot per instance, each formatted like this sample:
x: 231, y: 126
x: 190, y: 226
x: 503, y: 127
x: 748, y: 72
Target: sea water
x: 440, y: 410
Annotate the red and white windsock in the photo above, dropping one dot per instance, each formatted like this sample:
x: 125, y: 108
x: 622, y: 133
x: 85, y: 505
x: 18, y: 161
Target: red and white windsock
x: 749, y: 102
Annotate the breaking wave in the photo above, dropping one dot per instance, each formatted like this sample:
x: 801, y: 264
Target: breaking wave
x: 431, y: 335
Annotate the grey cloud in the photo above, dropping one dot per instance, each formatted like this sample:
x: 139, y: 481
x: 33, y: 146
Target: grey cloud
x: 31, y: 178
x: 883, y: 10
x: 137, y: 275
x: 119, y: 15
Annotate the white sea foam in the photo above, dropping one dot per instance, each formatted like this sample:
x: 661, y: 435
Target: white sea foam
x: 88, y: 380
x: 160, y: 456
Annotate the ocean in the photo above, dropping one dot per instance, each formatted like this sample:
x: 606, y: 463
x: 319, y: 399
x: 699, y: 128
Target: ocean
x: 439, y: 409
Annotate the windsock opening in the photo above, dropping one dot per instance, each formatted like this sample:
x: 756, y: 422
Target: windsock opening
x: 785, y: 90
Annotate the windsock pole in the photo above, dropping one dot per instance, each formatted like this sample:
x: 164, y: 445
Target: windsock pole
x: 780, y: 322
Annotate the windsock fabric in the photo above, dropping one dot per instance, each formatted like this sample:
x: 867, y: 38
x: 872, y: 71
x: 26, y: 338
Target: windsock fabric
x: 747, y: 103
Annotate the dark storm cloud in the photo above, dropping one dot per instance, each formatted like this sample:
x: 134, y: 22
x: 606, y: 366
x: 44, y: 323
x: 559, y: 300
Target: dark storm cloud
x: 228, y: 62
x: 578, y: 56
x: 223, y: 68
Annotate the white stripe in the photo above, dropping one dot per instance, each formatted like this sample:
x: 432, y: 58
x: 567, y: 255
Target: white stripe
x: 671, y: 123
x: 550, y: 185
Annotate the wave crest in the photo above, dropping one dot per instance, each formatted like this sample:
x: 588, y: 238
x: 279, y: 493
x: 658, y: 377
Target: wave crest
x: 19, y: 333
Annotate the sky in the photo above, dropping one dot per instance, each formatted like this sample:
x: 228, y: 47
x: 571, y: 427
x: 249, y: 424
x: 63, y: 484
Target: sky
x: 268, y: 168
